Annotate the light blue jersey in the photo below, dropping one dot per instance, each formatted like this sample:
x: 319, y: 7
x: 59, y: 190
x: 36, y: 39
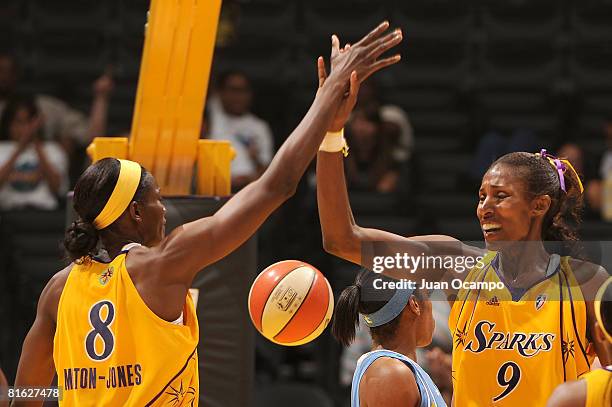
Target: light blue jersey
x: 430, y: 395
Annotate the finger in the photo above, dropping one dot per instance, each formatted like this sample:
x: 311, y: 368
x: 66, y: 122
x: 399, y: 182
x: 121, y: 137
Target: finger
x: 380, y: 64
x: 346, y: 47
x: 354, y: 86
x: 375, y: 33
x: 321, y: 71
x: 387, y: 42
x: 335, y: 46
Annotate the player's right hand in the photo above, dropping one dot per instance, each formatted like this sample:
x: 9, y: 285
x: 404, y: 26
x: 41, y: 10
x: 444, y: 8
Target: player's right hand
x: 363, y: 56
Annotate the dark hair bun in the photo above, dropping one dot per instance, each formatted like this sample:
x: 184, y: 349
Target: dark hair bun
x: 80, y: 240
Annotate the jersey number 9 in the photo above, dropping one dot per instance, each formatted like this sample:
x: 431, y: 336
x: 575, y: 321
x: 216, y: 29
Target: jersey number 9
x: 509, y: 383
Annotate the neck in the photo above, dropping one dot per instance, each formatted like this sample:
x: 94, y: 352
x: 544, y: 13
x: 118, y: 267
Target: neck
x: 403, y: 343
x: 113, y: 243
x: 523, y: 261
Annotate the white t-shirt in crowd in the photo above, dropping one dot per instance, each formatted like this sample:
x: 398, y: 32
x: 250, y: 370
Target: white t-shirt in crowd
x: 241, y: 131
x: 26, y: 186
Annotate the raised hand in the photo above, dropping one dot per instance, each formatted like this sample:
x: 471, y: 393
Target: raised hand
x: 363, y: 56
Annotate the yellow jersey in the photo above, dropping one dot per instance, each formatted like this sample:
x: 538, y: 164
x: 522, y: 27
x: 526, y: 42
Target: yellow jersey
x: 599, y: 387
x: 110, y: 349
x: 514, y: 348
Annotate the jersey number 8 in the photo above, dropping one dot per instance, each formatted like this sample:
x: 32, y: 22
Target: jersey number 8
x: 101, y: 328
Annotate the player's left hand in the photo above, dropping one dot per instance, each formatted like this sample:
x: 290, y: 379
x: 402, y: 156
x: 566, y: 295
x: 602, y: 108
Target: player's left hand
x: 348, y: 103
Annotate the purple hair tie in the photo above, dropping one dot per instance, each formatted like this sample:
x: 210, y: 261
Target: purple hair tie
x: 558, y: 165
x: 560, y: 170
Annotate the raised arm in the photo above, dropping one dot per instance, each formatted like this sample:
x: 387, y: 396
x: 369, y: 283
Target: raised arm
x: 342, y: 236
x: 194, y: 245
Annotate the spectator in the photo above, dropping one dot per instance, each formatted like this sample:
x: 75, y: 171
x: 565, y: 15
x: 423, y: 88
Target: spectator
x: 33, y: 172
x: 60, y: 120
x: 370, y: 165
x: 395, y: 120
x: 231, y: 119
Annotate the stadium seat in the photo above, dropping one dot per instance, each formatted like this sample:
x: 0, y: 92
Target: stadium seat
x: 64, y: 57
x: 442, y: 19
x: 443, y: 172
x: 322, y: 19
x: 74, y: 16
x: 590, y: 64
x: 262, y: 63
x: 591, y: 19
x: 433, y: 124
x: 459, y: 205
x: 270, y: 21
x: 299, y: 395
x: 522, y: 19
x: 520, y: 64
x: 432, y: 63
x: 372, y: 203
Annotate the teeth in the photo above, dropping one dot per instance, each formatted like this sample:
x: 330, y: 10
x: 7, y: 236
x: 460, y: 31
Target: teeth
x: 490, y: 226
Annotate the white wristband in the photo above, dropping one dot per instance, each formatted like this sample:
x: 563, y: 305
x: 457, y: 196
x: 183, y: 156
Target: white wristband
x: 334, y: 142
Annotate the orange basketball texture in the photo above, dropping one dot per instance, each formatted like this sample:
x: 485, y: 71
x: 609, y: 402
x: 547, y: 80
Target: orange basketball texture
x: 291, y: 302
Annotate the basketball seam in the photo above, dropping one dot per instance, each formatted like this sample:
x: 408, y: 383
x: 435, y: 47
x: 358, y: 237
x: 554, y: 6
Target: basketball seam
x: 263, y: 308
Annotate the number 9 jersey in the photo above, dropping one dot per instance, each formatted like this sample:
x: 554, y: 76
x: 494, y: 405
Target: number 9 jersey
x: 512, y: 348
x: 111, y: 349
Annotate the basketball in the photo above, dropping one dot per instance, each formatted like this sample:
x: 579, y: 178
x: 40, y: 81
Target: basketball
x: 291, y: 303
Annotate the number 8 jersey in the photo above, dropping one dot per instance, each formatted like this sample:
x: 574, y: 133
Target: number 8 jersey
x: 110, y: 349
x: 514, y: 348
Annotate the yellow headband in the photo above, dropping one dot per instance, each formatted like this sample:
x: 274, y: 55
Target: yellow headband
x: 597, y: 304
x: 125, y: 188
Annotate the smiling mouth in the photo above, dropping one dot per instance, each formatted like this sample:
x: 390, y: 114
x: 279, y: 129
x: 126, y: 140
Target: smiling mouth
x: 489, y: 228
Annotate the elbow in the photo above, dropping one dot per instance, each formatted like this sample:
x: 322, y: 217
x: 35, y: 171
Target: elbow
x: 277, y: 192
x: 341, y: 244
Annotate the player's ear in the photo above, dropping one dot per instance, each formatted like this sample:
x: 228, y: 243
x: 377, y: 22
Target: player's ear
x: 414, y: 306
x: 540, y: 205
x: 135, y: 211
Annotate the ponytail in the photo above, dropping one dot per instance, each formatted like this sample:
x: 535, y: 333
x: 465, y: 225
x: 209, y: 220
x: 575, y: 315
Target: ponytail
x: 346, y: 317
x: 80, y: 240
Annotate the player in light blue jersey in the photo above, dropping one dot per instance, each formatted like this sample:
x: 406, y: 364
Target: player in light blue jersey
x: 400, y: 320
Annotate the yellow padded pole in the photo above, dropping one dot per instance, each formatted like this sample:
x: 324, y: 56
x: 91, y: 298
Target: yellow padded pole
x: 177, y: 56
x: 214, y: 159
x: 102, y: 147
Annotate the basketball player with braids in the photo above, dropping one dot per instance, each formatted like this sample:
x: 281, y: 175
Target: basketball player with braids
x: 400, y: 320
x: 121, y: 329
x: 595, y: 388
x: 511, y: 345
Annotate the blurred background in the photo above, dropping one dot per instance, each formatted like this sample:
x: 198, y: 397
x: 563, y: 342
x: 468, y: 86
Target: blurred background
x: 477, y: 79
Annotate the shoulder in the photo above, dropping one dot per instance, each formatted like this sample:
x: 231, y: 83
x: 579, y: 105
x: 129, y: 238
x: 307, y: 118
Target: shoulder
x: 590, y: 276
x: 569, y: 394
x: 390, y: 381
x: 51, y: 294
